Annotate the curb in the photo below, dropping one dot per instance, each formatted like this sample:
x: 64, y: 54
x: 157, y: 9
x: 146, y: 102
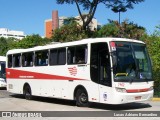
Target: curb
x: 155, y: 99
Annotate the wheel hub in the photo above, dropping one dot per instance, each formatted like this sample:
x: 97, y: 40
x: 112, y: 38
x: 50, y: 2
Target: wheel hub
x: 83, y: 97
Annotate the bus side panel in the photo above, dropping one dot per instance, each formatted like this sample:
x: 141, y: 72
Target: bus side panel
x: 15, y: 85
x: 50, y: 87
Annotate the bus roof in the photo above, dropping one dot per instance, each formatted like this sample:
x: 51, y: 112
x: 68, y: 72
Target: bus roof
x: 2, y: 58
x: 83, y: 41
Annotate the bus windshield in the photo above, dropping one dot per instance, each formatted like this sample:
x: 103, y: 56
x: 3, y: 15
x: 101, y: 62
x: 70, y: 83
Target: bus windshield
x: 132, y: 62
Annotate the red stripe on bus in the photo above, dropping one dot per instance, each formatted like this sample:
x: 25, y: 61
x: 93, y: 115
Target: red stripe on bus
x: 21, y: 74
x: 137, y: 90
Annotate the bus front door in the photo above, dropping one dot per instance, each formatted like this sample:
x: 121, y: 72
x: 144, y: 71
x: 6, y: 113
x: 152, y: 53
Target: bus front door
x: 104, y: 75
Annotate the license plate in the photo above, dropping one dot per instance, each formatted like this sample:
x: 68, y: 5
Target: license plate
x: 138, y: 97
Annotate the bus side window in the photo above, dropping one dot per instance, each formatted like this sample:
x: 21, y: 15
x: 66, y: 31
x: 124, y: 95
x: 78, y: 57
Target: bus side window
x: 58, y: 56
x: 80, y: 54
x: 71, y: 55
x: 9, y: 61
x: 62, y: 56
x: 77, y: 54
x: 16, y: 60
x: 41, y: 58
x: 53, y: 57
x: 27, y: 59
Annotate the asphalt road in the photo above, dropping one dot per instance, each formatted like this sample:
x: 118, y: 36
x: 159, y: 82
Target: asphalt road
x: 14, y: 102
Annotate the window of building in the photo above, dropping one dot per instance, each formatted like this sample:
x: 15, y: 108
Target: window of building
x: 58, y: 56
x: 77, y: 54
x: 10, y: 35
x: 41, y: 58
x: 27, y: 59
x: 16, y: 60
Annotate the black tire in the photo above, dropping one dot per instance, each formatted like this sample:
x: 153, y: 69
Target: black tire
x: 27, y: 92
x: 82, y: 98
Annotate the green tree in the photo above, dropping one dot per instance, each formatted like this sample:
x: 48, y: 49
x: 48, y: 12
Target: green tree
x: 6, y: 44
x: 91, y: 6
x: 126, y: 30
x: 3, y: 45
x: 27, y: 42
x: 32, y: 41
x: 131, y: 30
x: 68, y: 32
x: 153, y: 44
x: 109, y: 30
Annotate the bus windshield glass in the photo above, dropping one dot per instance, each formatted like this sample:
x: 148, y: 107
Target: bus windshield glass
x: 132, y: 62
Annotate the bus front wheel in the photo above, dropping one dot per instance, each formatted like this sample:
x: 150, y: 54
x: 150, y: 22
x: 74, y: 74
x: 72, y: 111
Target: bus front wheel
x: 82, y: 98
x: 27, y: 92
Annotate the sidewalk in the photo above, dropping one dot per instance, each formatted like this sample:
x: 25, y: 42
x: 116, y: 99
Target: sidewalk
x: 155, y: 99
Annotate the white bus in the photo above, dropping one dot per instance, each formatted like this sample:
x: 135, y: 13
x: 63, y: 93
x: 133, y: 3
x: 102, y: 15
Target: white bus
x: 102, y: 70
x: 3, y: 83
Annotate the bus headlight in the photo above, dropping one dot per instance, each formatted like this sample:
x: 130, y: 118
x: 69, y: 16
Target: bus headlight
x: 122, y: 90
x: 151, y: 88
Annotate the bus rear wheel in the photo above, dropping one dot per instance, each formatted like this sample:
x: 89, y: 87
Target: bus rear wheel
x: 82, y: 98
x: 27, y: 92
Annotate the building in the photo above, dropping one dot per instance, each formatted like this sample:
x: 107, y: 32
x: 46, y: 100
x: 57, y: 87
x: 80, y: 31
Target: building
x: 57, y: 22
x: 6, y: 33
x: 51, y: 24
x: 92, y: 25
x: 48, y: 28
x: 62, y: 21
